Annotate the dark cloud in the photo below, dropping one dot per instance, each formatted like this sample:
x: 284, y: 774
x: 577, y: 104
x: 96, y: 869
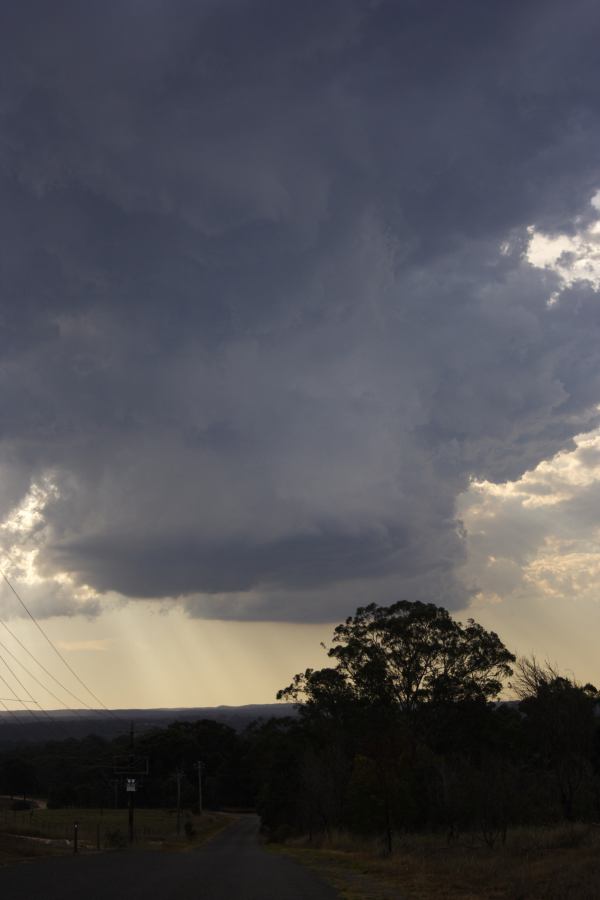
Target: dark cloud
x: 183, y: 566
x: 265, y: 306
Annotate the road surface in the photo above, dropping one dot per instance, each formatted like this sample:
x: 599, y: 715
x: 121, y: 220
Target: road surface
x: 231, y: 866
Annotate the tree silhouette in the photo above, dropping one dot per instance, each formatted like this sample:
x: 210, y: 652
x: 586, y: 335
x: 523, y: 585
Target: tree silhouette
x: 405, y: 656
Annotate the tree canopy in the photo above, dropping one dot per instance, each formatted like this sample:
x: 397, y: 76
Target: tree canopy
x: 405, y: 656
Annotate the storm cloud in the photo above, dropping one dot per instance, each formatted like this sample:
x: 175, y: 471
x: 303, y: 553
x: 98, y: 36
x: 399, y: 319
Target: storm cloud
x: 267, y: 308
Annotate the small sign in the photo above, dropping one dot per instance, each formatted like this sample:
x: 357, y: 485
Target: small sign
x: 130, y: 786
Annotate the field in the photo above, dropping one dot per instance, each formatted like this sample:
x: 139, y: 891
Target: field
x: 554, y: 863
x: 42, y: 831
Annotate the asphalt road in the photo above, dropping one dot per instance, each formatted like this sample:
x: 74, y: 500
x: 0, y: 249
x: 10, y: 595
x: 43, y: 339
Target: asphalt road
x: 231, y: 866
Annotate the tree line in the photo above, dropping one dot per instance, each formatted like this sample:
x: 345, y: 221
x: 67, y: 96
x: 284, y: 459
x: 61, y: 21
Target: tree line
x: 404, y: 730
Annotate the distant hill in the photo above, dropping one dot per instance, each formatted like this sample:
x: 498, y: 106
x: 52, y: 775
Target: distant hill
x: 58, y: 724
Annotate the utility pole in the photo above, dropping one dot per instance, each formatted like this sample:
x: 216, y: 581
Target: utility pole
x: 130, y: 788
x: 131, y: 785
x: 199, y: 767
x: 129, y: 768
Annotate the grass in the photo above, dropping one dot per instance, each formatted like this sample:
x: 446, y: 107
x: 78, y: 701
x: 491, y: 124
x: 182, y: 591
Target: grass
x: 18, y: 849
x: 554, y: 863
x: 102, y: 829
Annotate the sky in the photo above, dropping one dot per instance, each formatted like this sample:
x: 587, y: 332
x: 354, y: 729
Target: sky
x: 299, y: 311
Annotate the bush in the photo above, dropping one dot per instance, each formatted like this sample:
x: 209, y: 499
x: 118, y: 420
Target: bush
x: 280, y: 834
x: 115, y: 839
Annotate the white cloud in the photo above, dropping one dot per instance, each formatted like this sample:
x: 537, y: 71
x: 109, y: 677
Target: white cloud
x: 538, y: 537
x: 573, y: 257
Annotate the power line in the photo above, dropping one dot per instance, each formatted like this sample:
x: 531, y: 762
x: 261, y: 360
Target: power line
x: 13, y: 715
x: 47, y: 671
x: 19, y: 682
x: 15, y: 700
x: 35, y: 678
x: 54, y: 647
x: 30, y: 711
x: 44, y: 687
x: 44, y: 712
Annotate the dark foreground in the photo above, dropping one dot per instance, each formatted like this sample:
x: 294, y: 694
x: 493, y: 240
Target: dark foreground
x: 231, y: 866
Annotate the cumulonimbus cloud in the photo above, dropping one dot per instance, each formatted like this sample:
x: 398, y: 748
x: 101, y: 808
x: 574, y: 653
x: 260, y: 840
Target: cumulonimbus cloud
x: 267, y: 303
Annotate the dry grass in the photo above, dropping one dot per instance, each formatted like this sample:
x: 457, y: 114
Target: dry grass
x: 19, y: 849
x: 555, y: 863
x: 101, y: 829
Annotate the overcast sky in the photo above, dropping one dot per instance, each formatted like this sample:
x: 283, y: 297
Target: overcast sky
x: 299, y: 310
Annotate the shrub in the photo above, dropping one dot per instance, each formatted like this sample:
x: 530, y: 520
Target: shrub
x: 115, y: 838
